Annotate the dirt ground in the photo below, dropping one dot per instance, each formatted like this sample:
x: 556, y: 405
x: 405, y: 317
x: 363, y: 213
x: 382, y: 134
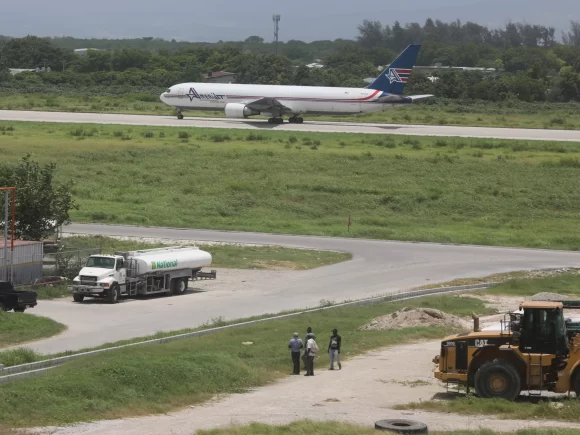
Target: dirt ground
x: 362, y: 392
x: 414, y: 317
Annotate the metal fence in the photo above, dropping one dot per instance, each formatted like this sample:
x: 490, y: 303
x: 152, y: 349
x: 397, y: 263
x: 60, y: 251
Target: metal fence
x: 23, y: 265
x: 67, y: 263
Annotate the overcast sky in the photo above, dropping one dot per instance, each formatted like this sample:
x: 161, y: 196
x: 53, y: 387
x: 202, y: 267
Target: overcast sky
x: 237, y: 19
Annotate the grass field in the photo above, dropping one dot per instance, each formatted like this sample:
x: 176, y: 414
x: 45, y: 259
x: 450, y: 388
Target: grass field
x: 565, y: 283
x: 157, y: 378
x: 307, y: 427
x: 17, y: 328
x: 456, y: 190
x: 444, y: 112
x: 562, y: 409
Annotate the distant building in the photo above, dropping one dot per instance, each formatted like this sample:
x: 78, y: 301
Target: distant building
x: 315, y: 65
x: 15, y: 71
x: 220, y: 77
x: 26, y: 260
x: 84, y: 51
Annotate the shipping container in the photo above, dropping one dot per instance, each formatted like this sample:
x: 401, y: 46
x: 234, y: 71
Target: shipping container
x: 26, y: 260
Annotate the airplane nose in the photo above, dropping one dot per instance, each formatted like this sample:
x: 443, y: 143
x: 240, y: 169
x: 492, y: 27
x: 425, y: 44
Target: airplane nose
x: 162, y: 97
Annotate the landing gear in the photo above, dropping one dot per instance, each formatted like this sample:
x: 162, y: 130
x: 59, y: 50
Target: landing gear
x: 275, y: 121
x: 296, y: 120
x: 179, y: 114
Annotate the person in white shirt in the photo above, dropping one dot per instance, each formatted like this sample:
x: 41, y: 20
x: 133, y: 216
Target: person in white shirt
x: 311, y: 351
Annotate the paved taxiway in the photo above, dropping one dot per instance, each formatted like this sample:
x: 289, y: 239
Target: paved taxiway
x: 377, y: 267
x: 309, y: 126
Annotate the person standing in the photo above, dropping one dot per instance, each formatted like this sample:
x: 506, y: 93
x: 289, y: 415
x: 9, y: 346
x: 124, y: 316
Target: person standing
x: 334, y: 349
x: 308, y: 335
x: 295, y: 345
x: 311, y: 351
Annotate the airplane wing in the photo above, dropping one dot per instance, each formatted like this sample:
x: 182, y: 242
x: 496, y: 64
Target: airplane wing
x: 267, y: 104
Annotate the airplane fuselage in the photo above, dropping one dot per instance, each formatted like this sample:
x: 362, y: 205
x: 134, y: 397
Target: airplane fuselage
x: 296, y: 99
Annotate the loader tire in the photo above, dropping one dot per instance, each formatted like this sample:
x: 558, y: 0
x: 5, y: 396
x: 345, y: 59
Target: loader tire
x: 402, y: 426
x: 498, y: 379
x: 576, y: 384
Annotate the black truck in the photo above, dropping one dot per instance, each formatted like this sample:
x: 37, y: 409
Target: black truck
x: 11, y: 299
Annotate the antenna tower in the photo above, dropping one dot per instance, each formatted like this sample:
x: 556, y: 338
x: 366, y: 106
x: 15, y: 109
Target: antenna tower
x: 276, y: 19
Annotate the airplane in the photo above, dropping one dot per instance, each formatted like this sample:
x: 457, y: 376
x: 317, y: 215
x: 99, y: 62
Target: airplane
x: 241, y: 101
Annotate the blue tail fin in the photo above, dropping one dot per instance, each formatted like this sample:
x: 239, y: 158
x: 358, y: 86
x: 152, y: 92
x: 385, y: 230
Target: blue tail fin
x: 394, y: 79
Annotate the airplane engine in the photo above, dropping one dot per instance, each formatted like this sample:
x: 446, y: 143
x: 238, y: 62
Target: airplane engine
x: 239, y: 110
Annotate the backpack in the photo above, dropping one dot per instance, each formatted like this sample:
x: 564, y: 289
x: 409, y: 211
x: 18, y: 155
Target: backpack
x: 333, y: 342
x: 314, y: 346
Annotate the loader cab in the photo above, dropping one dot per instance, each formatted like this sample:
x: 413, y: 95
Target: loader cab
x: 542, y: 329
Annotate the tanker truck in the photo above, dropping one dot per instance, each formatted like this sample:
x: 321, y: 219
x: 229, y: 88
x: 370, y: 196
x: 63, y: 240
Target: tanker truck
x: 138, y: 273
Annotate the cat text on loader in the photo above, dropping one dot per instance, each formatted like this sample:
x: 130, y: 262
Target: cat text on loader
x: 535, y: 350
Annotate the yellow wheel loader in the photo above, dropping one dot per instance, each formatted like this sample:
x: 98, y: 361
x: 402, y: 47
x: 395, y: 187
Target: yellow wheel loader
x: 536, y: 349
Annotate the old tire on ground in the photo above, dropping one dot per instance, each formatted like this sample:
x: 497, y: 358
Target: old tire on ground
x: 402, y: 426
x: 113, y: 294
x: 78, y: 298
x: 498, y: 379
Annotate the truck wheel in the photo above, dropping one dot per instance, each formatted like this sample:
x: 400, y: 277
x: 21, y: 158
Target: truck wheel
x: 2, y: 307
x: 498, y: 379
x: 78, y: 298
x: 113, y: 294
x: 19, y: 310
x: 182, y: 285
x: 178, y: 286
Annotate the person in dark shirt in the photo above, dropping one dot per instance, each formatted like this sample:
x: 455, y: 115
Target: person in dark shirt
x: 295, y: 345
x: 334, y: 349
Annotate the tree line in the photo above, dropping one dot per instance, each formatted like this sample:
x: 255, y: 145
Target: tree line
x: 530, y: 64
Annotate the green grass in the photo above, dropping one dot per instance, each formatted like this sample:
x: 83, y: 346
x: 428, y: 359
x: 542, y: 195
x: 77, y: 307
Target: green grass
x: 561, y: 409
x: 308, y: 427
x: 454, y: 190
x: 17, y: 328
x: 227, y: 256
x: 440, y: 112
x: 567, y: 283
x: 158, y: 378
x: 24, y: 355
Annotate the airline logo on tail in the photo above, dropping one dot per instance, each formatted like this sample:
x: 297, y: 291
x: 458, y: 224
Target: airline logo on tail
x: 398, y: 75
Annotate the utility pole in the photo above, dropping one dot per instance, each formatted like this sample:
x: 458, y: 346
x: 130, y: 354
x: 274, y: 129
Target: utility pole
x: 276, y: 19
x: 6, y: 235
x: 63, y: 64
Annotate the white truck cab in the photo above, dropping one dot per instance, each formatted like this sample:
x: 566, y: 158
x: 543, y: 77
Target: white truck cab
x: 102, y: 274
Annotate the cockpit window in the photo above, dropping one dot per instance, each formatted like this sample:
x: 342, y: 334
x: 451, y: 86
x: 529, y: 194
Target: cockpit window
x: 168, y: 91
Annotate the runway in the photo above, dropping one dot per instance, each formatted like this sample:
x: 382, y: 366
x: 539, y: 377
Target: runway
x: 308, y: 126
x: 377, y: 267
